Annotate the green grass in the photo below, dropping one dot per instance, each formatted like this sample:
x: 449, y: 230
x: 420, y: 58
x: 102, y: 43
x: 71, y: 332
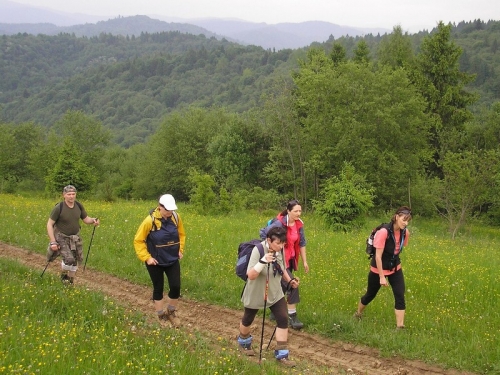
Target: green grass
x: 47, y: 329
x: 453, y: 287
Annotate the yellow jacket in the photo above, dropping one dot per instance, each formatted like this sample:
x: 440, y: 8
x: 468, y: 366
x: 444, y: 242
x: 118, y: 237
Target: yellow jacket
x: 142, y: 233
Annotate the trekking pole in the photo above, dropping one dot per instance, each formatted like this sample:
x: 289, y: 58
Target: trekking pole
x: 45, y: 268
x: 272, y: 336
x: 90, y: 244
x: 264, y: 315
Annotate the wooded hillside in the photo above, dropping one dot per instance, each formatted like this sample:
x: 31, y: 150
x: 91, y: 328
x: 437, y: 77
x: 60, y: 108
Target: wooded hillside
x: 344, y: 126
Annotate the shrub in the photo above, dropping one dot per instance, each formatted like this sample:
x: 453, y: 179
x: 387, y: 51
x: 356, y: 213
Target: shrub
x: 344, y: 201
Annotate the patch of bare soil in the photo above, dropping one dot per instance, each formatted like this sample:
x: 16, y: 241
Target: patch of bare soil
x: 312, y: 352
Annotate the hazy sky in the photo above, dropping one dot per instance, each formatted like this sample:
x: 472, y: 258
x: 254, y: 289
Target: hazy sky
x: 412, y: 15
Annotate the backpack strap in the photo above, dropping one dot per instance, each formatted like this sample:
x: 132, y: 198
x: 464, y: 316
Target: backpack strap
x: 402, y: 240
x: 61, y: 204
x: 152, y: 219
x: 175, y: 215
x: 402, y: 237
x: 260, y: 247
x: 175, y: 219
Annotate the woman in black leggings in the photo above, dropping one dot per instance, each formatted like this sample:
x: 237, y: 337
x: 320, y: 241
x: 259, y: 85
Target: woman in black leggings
x: 159, y: 243
x: 385, y: 267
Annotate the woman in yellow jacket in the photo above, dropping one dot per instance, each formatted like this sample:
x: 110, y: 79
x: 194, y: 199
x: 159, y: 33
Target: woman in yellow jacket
x: 159, y: 243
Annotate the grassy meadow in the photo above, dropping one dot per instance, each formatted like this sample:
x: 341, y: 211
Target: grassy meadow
x: 49, y: 329
x: 453, y: 289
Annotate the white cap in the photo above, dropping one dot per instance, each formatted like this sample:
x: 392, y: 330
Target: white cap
x: 168, y: 202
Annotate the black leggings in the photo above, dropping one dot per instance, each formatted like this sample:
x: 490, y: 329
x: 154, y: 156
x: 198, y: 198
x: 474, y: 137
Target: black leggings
x: 397, y: 282
x: 173, y: 273
x: 279, y: 310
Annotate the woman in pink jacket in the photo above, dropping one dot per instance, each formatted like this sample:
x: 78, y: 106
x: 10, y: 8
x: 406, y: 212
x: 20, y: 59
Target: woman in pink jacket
x: 294, y: 249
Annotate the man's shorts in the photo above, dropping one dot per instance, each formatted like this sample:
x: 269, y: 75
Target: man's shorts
x: 70, y: 248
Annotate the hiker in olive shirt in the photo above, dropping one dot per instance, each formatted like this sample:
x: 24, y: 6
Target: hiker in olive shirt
x: 263, y: 289
x: 63, y: 228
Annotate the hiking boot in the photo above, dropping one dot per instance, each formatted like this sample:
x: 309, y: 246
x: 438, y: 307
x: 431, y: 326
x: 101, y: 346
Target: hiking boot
x: 294, y: 322
x: 245, y: 346
x: 163, y: 317
x: 246, y: 350
x: 66, y: 280
x: 173, y: 318
x: 286, y: 362
x: 357, y: 316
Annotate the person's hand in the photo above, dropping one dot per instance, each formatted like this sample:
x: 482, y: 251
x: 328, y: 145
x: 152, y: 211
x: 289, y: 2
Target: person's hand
x: 96, y: 222
x: 180, y: 255
x: 306, y: 267
x: 383, y: 281
x: 54, y: 246
x: 151, y: 261
x: 267, y: 258
x: 294, y: 283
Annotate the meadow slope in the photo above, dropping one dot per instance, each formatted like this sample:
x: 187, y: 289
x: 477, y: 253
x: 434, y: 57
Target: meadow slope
x: 216, y: 323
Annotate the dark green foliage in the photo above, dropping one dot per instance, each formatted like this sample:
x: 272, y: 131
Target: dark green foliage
x: 469, y: 182
x: 253, y: 126
x: 345, y: 200
x: 396, y: 50
x: 437, y: 76
x: 180, y: 143
x: 361, y: 53
x: 259, y: 199
x: 70, y: 169
x: 202, y: 196
x: 238, y: 152
x: 484, y: 131
x: 224, y: 202
x: 338, y: 54
x: 345, y: 117
x: 129, y: 84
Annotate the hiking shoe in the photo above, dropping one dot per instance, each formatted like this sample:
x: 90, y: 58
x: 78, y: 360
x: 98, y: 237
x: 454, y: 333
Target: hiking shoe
x: 163, y: 317
x: 247, y: 350
x: 286, y: 362
x: 400, y: 328
x: 245, y: 345
x: 66, y: 280
x: 357, y: 316
x: 294, y: 322
x: 173, y: 318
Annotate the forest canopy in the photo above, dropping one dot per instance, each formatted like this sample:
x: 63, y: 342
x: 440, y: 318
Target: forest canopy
x: 395, y: 119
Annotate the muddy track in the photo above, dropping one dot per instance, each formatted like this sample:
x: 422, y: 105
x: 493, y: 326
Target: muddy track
x: 313, y: 352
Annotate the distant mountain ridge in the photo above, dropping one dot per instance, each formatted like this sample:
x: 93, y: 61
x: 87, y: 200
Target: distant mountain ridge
x: 119, y: 26
x: 281, y: 35
x: 19, y: 18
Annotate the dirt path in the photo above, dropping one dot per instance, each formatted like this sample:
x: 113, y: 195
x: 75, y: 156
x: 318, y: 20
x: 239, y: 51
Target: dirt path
x: 317, y: 352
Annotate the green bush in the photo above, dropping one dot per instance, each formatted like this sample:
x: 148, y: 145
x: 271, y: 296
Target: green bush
x: 344, y: 201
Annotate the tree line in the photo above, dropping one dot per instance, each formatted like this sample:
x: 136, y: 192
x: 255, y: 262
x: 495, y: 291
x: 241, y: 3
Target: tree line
x: 344, y: 133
